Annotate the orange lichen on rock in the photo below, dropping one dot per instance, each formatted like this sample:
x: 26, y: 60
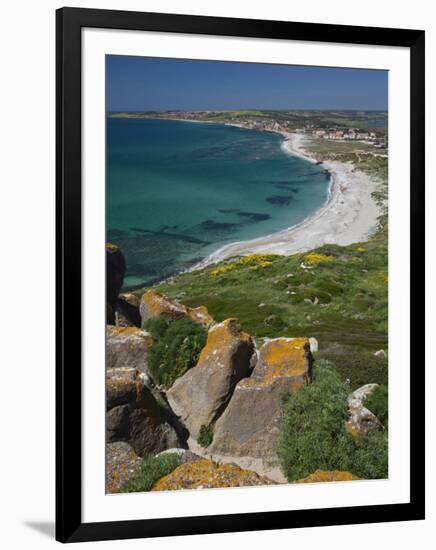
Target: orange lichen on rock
x: 206, y: 474
x: 130, y: 298
x: 324, y: 475
x: 285, y: 357
x: 155, y: 304
x: 200, y: 315
x: 222, y: 337
x: 113, y: 331
x: 280, y: 359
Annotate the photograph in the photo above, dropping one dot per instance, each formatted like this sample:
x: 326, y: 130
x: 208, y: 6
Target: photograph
x: 246, y: 274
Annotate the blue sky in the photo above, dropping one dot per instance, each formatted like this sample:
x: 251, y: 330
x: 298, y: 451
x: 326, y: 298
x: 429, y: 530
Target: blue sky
x: 157, y: 84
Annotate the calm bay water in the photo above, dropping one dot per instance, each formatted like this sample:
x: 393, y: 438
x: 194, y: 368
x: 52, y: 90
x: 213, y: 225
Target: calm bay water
x: 177, y: 191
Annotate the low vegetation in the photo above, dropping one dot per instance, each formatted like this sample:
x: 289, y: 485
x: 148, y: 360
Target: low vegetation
x: 205, y: 436
x: 313, y: 434
x: 177, y: 348
x: 377, y: 402
x: 151, y: 469
x: 357, y: 366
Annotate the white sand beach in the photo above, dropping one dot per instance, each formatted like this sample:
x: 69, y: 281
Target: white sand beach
x: 348, y: 216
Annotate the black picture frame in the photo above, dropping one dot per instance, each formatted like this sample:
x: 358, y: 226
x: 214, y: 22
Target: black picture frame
x: 69, y: 23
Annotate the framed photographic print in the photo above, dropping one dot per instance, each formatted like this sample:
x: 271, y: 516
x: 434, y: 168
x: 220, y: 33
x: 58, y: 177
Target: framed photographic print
x: 240, y: 252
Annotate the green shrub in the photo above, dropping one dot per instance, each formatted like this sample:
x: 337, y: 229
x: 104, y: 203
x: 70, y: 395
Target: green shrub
x: 370, y: 456
x: 151, y: 469
x: 377, y: 403
x: 205, y: 436
x: 313, y: 435
x: 157, y: 327
x: 176, y: 350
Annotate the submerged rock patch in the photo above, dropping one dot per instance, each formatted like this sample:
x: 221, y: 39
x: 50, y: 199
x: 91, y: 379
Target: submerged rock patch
x: 283, y: 200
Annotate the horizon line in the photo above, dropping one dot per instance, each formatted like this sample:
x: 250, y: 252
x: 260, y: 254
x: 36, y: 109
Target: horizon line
x: 244, y: 109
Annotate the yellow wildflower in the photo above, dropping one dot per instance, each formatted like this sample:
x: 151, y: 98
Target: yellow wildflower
x: 314, y: 258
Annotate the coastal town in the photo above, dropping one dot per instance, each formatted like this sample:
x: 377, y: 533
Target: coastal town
x: 367, y: 127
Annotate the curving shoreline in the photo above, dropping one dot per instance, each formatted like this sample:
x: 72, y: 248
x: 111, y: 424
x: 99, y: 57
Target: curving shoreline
x: 348, y: 216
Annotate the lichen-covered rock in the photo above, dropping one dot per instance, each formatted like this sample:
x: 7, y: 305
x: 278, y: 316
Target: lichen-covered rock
x: 200, y: 396
x: 127, y: 347
x: 250, y: 424
x: 154, y: 304
x: 121, y: 391
x: 200, y: 315
x: 127, y: 311
x: 320, y: 476
x: 205, y: 474
x: 122, y: 463
x: 115, y: 270
x: 135, y: 416
x: 361, y: 420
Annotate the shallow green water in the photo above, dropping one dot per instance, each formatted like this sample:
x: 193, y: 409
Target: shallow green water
x: 177, y: 191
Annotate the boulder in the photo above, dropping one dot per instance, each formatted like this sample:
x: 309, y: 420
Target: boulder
x: 313, y: 342
x: 121, y: 391
x: 143, y: 426
x: 122, y: 463
x: 123, y: 373
x: 154, y: 304
x: 200, y: 315
x: 361, y: 420
x: 127, y: 347
x: 250, y: 424
x: 200, y: 396
x: 115, y: 270
x: 127, y: 311
x: 135, y: 416
x: 206, y: 474
x: 320, y: 476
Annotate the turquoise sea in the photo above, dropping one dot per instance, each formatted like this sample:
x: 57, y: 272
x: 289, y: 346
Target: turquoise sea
x: 177, y: 191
